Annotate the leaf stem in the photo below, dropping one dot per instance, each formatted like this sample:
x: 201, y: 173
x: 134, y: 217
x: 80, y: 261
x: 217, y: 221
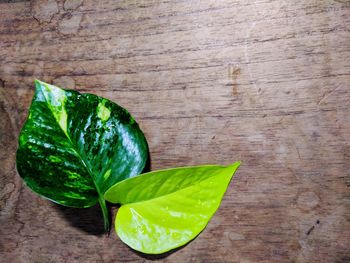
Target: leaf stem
x: 105, y: 213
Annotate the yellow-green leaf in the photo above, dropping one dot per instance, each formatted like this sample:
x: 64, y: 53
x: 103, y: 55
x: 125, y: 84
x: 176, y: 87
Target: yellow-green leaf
x: 165, y: 209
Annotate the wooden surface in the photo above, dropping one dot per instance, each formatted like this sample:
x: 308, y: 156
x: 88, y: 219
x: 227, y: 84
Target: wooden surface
x: 265, y: 82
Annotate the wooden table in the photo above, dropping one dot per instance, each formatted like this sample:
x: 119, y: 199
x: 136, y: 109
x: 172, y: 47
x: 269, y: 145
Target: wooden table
x: 265, y: 82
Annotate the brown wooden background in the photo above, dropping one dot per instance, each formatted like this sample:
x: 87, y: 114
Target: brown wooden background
x: 265, y: 82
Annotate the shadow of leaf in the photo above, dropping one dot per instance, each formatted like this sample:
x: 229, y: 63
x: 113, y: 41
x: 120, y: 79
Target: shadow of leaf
x: 89, y: 220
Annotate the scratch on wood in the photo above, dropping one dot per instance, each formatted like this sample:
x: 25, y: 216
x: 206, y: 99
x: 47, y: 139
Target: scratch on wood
x: 327, y: 94
x: 233, y: 72
x: 298, y: 152
x: 312, y: 228
x: 7, y: 107
x: 247, y: 59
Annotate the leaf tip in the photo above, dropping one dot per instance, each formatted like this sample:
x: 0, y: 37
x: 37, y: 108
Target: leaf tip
x: 38, y: 84
x: 233, y: 167
x: 235, y: 164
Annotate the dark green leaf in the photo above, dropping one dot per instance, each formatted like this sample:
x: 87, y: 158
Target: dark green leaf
x: 74, y: 146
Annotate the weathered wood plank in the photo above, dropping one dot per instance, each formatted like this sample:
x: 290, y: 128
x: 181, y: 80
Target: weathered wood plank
x: 265, y: 82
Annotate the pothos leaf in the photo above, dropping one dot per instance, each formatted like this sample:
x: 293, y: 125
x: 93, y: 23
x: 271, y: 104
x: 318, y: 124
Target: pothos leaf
x: 74, y: 146
x: 165, y: 209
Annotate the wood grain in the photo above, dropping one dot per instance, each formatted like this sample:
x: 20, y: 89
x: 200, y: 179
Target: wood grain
x: 266, y: 82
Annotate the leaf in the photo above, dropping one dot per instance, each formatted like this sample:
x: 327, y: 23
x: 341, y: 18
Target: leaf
x: 74, y: 146
x: 165, y: 209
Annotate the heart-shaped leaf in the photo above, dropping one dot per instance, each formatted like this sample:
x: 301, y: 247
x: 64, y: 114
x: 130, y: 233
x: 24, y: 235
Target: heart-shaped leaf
x: 74, y: 146
x: 165, y: 209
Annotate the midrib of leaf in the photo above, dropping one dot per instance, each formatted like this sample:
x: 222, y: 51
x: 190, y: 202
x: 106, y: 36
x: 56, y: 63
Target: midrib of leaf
x: 101, y: 200
x: 176, y: 191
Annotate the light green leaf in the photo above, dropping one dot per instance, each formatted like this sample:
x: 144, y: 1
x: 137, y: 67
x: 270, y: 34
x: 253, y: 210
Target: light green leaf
x: 165, y: 209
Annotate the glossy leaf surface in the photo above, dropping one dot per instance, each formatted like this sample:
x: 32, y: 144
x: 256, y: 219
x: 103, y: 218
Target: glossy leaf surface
x: 74, y: 146
x: 165, y: 209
